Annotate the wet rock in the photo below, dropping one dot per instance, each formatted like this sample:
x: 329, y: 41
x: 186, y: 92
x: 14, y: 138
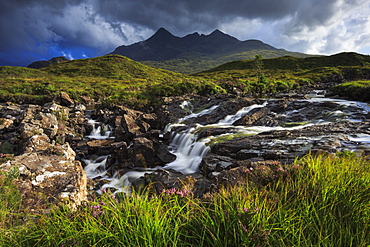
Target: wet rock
x: 126, y: 128
x: 163, y: 179
x: 251, y: 117
x: 287, y: 145
x: 206, y: 132
x: 244, y: 154
x: 164, y: 155
x: 103, y: 115
x: 229, y: 107
x: 216, y: 163
x: 100, y: 147
x: 143, y: 153
x: 120, y: 150
x: 166, y: 179
x: 229, y: 178
x: 279, y: 105
x: 271, y: 120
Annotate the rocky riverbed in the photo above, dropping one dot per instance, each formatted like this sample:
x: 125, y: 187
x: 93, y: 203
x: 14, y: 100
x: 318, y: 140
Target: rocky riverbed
x: 61, y: 150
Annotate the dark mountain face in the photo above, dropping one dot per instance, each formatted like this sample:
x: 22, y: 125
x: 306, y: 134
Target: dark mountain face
x: 165, y: 46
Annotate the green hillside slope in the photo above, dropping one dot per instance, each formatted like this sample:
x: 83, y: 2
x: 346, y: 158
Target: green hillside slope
x: 110, y: 78
x: 287, y: 73
x: 117, y: 79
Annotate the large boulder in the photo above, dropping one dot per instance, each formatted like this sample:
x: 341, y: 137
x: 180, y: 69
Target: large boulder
x: 143, y: 152
x: 49, y: 172
x: 126, y: 128
x: 49, y: 176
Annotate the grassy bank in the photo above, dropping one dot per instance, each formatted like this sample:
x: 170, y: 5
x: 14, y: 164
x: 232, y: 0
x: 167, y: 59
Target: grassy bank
x: 354, y: 90
x: 317, y: 201
x: 285, y: 73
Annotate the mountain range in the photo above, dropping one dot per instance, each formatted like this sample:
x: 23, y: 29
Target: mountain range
x: 196, y: 52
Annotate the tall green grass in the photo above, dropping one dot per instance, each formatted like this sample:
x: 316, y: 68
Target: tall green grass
x: 318, y: 200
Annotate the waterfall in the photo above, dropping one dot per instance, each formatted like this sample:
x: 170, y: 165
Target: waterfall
x: 97, y: 167
x: 99, y: 132
x: 189, y: 152
x: 230, y: 119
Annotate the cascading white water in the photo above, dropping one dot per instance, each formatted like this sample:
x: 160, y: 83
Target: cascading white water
x: 230, y: 119
x: 121, y: 183
x: 99, y: 132
x: 96, y: 168
x: 189, y: 152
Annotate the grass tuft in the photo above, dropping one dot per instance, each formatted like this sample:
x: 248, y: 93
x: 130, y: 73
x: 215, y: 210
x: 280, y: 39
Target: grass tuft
x: 320, y: 200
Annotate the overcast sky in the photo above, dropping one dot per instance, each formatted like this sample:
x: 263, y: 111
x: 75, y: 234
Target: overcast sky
x: 33, y: 30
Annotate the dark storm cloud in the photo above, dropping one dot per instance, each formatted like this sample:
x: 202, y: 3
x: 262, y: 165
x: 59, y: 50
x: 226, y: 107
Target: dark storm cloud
x: 185, y: 15
x: 44, y: 28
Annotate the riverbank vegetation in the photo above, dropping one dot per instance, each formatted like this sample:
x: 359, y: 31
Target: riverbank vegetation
x: 117, y: 79
x: 355, y: 90
x: 319, y: 200
x: 290, y: 73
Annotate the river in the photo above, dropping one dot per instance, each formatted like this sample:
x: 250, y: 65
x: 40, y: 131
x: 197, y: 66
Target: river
x: 260, y: 127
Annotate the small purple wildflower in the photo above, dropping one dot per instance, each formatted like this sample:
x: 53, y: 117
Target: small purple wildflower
x: 243, y: 226
x: 96, y: 210
x: 180, y: 192
x: 96, y: 207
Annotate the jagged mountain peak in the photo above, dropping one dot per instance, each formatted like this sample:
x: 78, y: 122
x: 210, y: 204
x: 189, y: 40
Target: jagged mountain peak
x: 163, y: 46
x: 162, y: 31
x: 216, y: 32
x: 162, y: 34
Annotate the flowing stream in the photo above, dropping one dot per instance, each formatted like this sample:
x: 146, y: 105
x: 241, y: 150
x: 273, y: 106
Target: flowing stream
x: 190, y: 150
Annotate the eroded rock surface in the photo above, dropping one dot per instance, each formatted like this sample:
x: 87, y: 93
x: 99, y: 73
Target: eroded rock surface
x: 46, y: 164
x: 49, y: 175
